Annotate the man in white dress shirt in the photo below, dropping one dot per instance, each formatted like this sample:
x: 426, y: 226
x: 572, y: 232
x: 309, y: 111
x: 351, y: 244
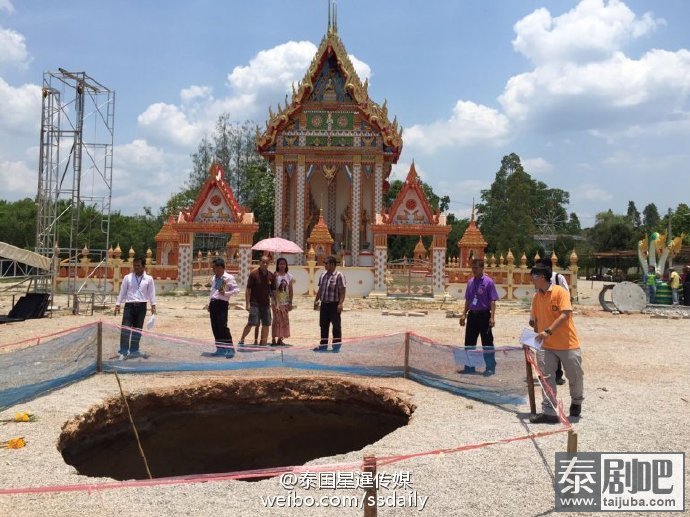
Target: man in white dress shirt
x: 137, y: 290
x: 223, y: 286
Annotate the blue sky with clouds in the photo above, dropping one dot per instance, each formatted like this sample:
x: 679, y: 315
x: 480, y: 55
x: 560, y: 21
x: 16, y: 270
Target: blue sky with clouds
x: 593, y: 95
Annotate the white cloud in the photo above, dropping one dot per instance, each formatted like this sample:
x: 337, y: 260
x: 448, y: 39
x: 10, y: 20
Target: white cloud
x: 587, y: 192
x: 140, y: 155
x: 617, y: 92
x: 592, y: 30
x: 273, y: 69
x: 6, y: 5
x: 537, y: 165
x: 21, y: 108
x: 195, y: 92
x: 18, y: 180
x: 13, y: 48
x: 469, y: 124
x: 166, y: 122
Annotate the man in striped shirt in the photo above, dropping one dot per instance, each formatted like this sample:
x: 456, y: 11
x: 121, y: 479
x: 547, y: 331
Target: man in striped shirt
x: 331, y: 295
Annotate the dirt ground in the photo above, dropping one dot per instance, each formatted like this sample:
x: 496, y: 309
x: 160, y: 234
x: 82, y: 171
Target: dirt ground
x: 637, y: 396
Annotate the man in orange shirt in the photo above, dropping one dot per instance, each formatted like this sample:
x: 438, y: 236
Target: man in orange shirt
x: 552, y: 317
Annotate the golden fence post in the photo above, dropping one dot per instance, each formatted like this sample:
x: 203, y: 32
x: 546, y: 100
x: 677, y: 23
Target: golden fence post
x: 530, y: 382
x: 406, y: 366
x: 99, y: 347
x: 572, y: 441
x: 370, y: 509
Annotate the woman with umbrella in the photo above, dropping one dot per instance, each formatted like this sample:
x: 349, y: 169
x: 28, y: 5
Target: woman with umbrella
x: 283, y: 302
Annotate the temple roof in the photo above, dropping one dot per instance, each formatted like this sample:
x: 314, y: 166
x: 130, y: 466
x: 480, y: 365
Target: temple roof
x: 215, y: 202
x: 332, y: 46
x: 320, y: 233
x: 411, y: 205
x: 472, y: 238
x: 167, y: 232
x: 419, y: 248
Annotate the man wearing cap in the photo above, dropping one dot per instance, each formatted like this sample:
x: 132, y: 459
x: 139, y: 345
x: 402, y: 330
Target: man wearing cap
x: 480, y: 314
x: 552, y: 315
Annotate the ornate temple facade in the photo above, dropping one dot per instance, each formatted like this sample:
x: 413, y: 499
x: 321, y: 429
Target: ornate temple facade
x: 331, y: 149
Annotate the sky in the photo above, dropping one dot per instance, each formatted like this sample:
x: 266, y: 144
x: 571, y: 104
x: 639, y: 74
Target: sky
x: 594, y: 96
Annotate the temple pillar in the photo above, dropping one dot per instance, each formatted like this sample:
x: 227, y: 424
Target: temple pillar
x: 301, y: 205
x: 378, y: 190
x: 356, y: 209
x: 279, y: 197
x: 438, y: 265
x: 185, y: 265
x: 245, y: 264
x: 380, y: 262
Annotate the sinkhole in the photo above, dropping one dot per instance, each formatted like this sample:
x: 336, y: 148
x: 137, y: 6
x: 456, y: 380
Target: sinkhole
x: 230, y: 425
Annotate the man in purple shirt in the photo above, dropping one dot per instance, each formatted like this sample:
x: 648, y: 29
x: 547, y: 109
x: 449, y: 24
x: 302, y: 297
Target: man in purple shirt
x: 479, y: 312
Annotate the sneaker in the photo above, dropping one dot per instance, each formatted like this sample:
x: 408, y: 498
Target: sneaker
x: 220, y: 352
x: 322, y: 348
x: 575, y: 409
x: 133, y: 355
x: 121, y: 356
x: 560, y: 381
x: 467, y: 370
x: 229, y: 353
x: 336, y: 348
x: 488, y: 373
x: 543, y: 418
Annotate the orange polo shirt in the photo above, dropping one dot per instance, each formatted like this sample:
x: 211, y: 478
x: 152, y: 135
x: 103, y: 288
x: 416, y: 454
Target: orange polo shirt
x: 548, y: 306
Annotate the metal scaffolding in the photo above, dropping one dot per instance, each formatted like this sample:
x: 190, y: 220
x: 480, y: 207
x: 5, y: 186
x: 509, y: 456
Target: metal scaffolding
x: 74, y: 179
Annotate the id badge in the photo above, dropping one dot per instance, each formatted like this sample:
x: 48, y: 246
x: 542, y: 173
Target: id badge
x: 474, y: 302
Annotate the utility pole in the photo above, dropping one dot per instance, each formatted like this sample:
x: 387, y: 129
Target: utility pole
x: 668, y: 240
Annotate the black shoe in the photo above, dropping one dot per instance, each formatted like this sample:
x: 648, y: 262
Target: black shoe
x: 575, y: 409
x: 560, y: 381
x: 321, y: 349
x: 467, y: 370
x: 542, y: 418
x: 336, y: 349
x: 488, y: 373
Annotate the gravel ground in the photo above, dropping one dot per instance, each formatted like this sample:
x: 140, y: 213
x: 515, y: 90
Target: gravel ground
x: 636, y: 388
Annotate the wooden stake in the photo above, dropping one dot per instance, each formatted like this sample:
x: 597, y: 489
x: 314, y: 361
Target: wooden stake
x: 530, y: 383
x: 134, y: 428
x: 406, y: 367
x: 99, y: 347
x: 572, y: 441
x: 370, y: 509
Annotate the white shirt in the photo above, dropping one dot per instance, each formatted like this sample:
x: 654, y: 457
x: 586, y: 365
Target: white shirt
x: 557, y: 279
x: 222, y: 288
x: 137, y: 289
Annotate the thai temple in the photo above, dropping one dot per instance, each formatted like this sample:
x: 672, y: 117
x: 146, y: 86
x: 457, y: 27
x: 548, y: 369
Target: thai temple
x: 331, y: 149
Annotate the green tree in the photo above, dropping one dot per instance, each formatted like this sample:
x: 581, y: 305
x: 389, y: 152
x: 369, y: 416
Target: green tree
x: 573, y: 227
x: 612, y: 232
x: 516, y: 207
x: 651, y: 217
x: 634, y: 215
x: 18, y: 223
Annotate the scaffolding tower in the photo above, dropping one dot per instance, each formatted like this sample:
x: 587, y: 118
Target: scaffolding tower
x: 74, y: 181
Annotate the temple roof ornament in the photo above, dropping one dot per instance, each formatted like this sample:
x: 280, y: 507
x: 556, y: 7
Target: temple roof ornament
x: 411, y: 205
x: 375, y: 114
x: 223, y: 195
x: 419, y: 248
x: 472, y: 238
x: 320, y: 233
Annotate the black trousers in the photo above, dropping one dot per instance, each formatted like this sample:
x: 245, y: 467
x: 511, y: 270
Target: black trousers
x: 133, y: 315
x: 218, y: 310
x: 686, y: 293
x: 478, y: 325
x: 329, y: 315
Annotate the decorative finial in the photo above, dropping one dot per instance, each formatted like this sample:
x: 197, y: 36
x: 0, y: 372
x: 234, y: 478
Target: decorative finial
x: 472, y: 213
